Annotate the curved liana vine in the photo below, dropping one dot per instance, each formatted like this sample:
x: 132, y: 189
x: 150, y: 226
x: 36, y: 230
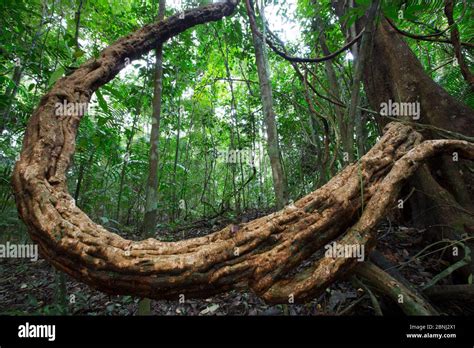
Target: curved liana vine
x: 264, y: 255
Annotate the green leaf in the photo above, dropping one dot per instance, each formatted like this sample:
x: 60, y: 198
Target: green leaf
x: 102, y: 103
x: 354, y: 13
x: 116, y: 93
x: 391, y: 11
x: 56, y: 76
x: 78, y: 53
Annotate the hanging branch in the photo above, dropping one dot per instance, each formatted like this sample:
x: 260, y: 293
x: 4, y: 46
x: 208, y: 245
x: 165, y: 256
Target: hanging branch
x: 327, y: 139
x: 300, y: 75
x: 456, y: 41
x: 297, y: 59
x: 425, y: 37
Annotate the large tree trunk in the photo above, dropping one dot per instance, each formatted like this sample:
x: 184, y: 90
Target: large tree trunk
x: 444, y: 194
x: 262, y: 255
x: 401, y: 77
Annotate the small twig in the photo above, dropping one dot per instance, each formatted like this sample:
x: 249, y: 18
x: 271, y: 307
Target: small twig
x: 373, y: 299
x: 421, y: 255
x: 352, y: 305
x: 461, y: 263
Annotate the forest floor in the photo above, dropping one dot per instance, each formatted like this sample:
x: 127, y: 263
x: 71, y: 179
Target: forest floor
x: 31, y: 288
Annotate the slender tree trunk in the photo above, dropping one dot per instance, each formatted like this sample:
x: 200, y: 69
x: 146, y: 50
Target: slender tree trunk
x: 80, y: 176
x: 351, y: 32
x: 20, y: 66
x: 151, y: 200
x: 175, y: 164
x: 152, y: 182
x: 273, y: 148
x: 455, y: 39
x: 126, y: 159
x: 345, y: 129
x: 353, y: 113
x: 188, y: 153
x: 77, y: 18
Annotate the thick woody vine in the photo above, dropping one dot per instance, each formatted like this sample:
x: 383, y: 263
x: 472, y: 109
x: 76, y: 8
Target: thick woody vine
x: 264, y: 255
